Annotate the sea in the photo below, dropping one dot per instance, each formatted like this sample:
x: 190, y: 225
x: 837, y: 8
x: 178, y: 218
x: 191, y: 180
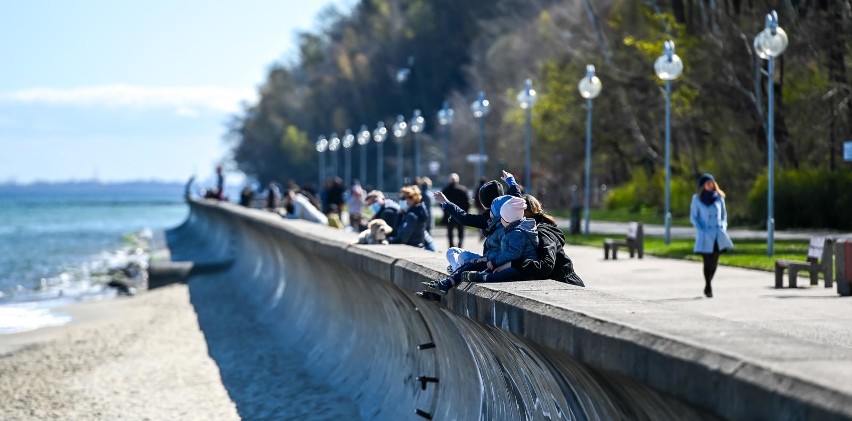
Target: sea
x: 59, y: 240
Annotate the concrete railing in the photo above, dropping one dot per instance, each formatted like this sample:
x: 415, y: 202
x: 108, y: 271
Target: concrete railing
x: 522, y: 350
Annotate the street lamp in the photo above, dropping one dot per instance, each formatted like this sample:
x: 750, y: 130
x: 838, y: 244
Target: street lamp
x: 417, y: 123
x: 348, y: 142
x: 526, y: 100
x: 480, y: 109
x: 379, y: 136
x: 400, y: 129
x: 668, y: 67
x: 771, y: 43
x: 333, y: 146
x: 590, y: 88
x: 445, y: 119
x: 321, y: 146
x: 363, y: 140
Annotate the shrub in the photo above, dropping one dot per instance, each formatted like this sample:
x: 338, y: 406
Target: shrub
x: 805, y: 199
x: 644, y: 192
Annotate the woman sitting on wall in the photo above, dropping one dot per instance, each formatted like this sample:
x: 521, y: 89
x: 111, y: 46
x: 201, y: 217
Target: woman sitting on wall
x: 415, y: 218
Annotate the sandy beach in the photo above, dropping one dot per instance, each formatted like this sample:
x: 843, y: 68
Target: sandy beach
x: 136, y: 358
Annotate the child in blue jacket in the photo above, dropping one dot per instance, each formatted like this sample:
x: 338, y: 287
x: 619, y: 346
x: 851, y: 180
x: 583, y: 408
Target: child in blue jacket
x: 519, y: 240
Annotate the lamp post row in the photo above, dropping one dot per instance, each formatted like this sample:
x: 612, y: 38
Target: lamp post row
x: 768, y: 44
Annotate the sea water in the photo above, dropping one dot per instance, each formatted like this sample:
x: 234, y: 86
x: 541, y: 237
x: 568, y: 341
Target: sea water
x: 55, y: 239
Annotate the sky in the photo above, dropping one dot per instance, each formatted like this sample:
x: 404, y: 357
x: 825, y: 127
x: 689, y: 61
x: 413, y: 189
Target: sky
x: 134, y: 90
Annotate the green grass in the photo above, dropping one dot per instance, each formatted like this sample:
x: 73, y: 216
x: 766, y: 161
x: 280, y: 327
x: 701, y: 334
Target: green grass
x: 645, y: 216
x: 749, y: 254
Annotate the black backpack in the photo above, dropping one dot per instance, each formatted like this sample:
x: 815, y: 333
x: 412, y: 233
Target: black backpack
x: 552, y: 261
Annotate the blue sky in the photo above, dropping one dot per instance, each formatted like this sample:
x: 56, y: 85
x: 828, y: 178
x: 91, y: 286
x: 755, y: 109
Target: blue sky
x: 133, y: 90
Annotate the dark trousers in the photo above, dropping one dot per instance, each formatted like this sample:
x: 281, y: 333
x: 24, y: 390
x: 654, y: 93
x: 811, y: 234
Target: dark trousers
x: 711, y: 262
x: 451, y: 225
x: 470, y: 266
x: 505, y: 275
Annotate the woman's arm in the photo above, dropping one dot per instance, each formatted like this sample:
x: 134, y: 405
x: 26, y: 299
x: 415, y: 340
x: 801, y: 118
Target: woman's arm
x: 694, y: 216
x: 464, y: 218
x: 724, y: 216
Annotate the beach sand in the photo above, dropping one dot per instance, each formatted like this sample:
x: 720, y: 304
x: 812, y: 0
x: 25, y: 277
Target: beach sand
x: 137, y: 358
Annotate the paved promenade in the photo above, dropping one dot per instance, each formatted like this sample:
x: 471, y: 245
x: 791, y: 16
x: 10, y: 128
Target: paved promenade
x: 746, y: 296
x: 619, y: 228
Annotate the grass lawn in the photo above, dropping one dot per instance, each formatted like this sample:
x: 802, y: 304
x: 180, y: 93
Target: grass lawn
x: 645, y: 216
x: 749, y: 254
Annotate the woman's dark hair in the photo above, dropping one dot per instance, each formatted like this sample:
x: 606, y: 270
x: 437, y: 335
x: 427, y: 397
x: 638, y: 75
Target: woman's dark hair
x: 488, y: 192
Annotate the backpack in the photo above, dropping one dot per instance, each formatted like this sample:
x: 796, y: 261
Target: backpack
x: 552, y: 261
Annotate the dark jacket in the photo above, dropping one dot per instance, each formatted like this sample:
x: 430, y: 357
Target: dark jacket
x: 427, y: 203
x: 412, y: 227
x: 456, y: 194
x: 552, y: 261
x: 390, y: 212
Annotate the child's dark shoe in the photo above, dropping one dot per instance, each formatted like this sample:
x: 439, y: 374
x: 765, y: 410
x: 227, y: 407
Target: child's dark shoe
x: 443, y: 285
x: 472, y: 276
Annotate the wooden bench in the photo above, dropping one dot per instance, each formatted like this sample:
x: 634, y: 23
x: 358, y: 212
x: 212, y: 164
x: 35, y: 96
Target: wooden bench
x: 635, y: 242
x: 820, y: 260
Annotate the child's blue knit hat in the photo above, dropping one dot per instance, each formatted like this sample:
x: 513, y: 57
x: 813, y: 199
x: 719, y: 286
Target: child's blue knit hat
x: 497, y: 203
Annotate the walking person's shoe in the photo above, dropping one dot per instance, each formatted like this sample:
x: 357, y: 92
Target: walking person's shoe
x: 473, y: 276
x: 708, y: 291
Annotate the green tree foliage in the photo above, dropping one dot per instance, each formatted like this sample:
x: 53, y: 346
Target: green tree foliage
x: 344, y: 75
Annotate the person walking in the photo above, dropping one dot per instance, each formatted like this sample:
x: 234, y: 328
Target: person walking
x: 709, y: 216
x: 456, y: 193
x: 425, y: 184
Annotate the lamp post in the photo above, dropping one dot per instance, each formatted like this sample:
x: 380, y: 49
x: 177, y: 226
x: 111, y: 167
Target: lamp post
x: 348, y: 142
x: 770, y: 43
x: 379, y: 135
x: 333, y: 146
x: 417, y: 123
x: 363, y: 140
x: 668, y: 67
x: 400, y: 128
x: 526, y: 100
x: 321, y: 146
x: 590, y: 88
x: 480, y: 109
x: 445, y: 119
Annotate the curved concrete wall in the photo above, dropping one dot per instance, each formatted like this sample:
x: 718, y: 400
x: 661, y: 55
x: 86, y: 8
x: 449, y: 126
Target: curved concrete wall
x: 489, y: 354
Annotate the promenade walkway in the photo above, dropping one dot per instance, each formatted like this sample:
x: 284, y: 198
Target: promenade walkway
x: 619, y: 228
x: 745, y: 296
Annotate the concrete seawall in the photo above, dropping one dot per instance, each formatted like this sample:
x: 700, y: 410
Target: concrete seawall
x: 523, y: 350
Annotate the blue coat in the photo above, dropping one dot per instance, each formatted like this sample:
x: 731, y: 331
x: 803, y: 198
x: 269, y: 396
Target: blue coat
x: 519, y: 241
x: 711, y: 225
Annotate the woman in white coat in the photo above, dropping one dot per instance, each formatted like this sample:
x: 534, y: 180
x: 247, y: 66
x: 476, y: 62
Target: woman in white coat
x: 709, y: 216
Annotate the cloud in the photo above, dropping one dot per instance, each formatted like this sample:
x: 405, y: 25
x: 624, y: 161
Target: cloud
x: 186, y: 101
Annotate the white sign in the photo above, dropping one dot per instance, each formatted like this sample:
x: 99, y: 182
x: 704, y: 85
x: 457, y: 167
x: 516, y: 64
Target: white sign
x: 476, y: 158
x: 847, y: 150
x: 434, y: 167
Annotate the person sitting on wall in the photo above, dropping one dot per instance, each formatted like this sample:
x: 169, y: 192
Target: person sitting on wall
x: 299, y: 207
x: 412, y: 227
x: 518, y: 242
x: 383, y: 208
